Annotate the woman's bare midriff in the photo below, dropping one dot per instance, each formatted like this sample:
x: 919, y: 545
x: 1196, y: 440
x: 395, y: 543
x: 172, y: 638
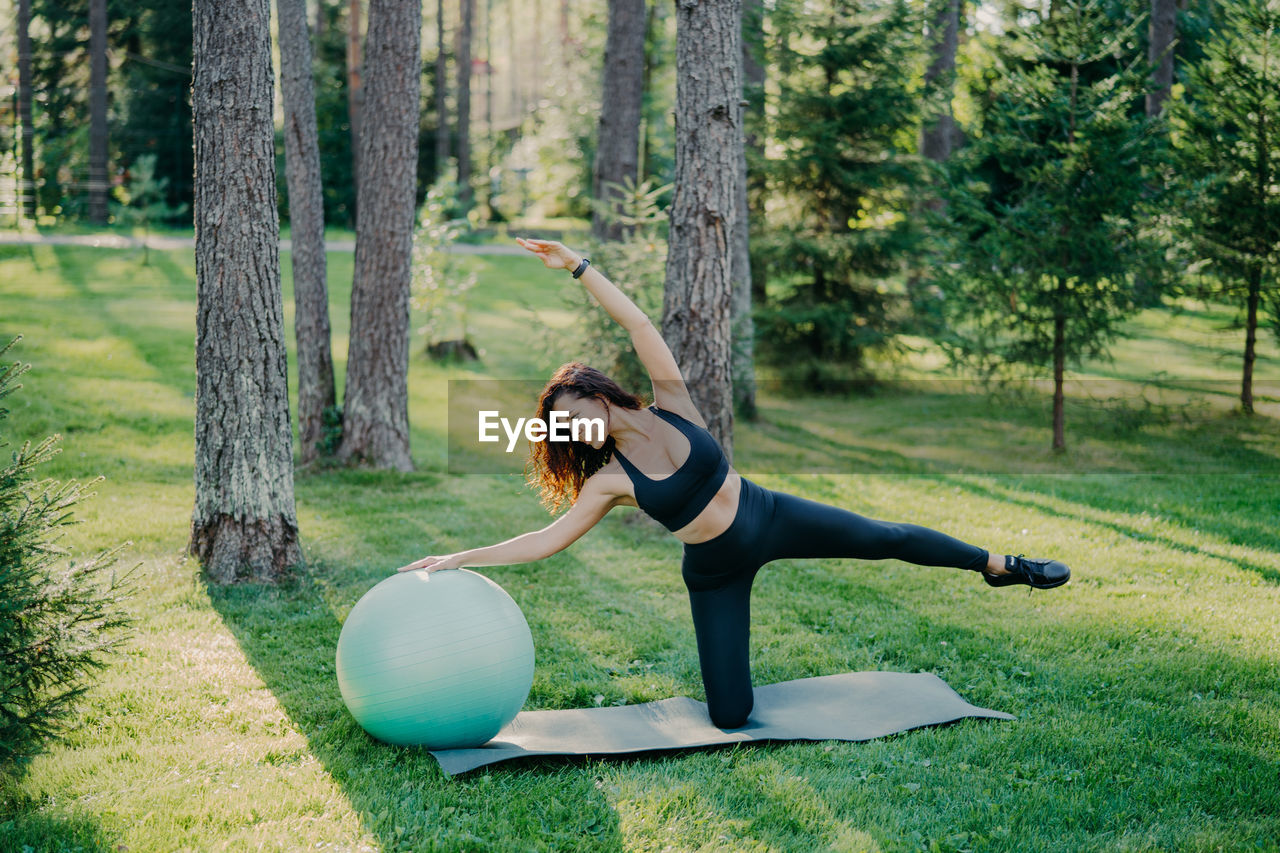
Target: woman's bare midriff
x: 715, y: 517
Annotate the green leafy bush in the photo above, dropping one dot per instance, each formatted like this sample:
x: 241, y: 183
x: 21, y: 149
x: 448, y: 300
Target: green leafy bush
x: 60, y: 619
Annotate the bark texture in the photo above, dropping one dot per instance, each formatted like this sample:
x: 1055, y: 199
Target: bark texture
x: 753, y: 77
x: 442, y: 92
x: 464, y: 103
x: 27, y: 191
x: 697, y: 303
x: 618, y: 145
x: 1162, y: 30
x: 98, y: 111
x: 244, y: 525
x: 375, y: 416
x: 355, y: 92
x: 306, y: 219
x: 936, y: 136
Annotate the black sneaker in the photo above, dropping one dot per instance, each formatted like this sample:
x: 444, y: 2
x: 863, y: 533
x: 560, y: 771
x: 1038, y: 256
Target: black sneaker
x: 1041, y: 574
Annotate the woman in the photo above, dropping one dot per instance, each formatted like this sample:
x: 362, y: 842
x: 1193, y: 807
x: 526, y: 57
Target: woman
x: 663, y: 460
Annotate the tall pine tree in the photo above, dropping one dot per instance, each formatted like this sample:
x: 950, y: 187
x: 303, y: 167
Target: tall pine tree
x: 1046, y: 202
x: 1226, y: 144
x: 843, y: 185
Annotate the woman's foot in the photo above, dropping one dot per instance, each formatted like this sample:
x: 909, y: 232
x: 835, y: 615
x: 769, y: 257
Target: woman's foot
x: 1041, y: 574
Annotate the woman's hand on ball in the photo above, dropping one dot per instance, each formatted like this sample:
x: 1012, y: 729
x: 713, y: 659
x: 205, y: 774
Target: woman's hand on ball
x: 433, y: 564
x: 556, y: 256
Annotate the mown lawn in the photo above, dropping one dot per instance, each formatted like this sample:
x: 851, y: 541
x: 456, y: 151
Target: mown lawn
x: 1147, y: 690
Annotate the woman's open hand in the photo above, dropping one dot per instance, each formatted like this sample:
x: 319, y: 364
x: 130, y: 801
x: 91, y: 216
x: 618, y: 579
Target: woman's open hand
x: 433, y: 564
x: 556, y: 256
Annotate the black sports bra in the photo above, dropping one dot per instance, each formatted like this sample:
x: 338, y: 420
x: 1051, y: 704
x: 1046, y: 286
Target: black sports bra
x: 676, y: 500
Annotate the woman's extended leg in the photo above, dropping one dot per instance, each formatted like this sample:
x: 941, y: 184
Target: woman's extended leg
x: 802, y: 528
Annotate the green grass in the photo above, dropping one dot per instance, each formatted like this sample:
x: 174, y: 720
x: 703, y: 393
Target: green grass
x: 1145, y: 690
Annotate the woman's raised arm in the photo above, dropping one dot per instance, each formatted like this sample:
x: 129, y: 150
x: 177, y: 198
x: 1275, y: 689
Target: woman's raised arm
x: 651, y: 349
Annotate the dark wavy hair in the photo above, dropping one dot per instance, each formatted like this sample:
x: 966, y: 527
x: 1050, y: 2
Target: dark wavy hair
x: 559, y: 468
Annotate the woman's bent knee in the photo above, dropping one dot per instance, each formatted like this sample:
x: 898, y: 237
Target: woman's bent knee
x: 731, y: 717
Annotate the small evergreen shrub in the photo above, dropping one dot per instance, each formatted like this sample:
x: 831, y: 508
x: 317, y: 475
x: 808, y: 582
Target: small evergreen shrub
x: 637, y: 265
x: 439, y: 287
x: 60, y: 620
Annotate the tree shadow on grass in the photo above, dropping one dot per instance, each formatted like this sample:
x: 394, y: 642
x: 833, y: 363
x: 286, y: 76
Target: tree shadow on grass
x: 1148, y: 717
x: 1173, y: 495
x: 601, y: 629
x: 289, y: 635
x: 26, y: 826
x: 941, y: 427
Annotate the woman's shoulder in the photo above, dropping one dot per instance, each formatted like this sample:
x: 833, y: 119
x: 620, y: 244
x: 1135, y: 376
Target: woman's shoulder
x: 679, y: 404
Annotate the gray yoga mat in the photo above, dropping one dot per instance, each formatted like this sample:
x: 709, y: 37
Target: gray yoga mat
x: 851, y: 706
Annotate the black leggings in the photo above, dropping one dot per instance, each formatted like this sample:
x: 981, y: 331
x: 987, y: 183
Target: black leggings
x: 774, y: 525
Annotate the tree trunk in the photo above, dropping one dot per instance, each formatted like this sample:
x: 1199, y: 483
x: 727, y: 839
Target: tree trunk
x: 536, y: 91
x: 488, y: 108
x: 306, y: 221
x: 375, y: 417
x: 743, y: 328
x: 646, y: 119
x: 938, y: 132
x: 1250, y: 337
x: 244, y: 525
x: 27, y: 193
x: 355, y: 95
x: 936, y: 135
x: 514, y: 67
x: 442, y: 95
x: 564, y: 37
x: 1059, y: 370
x: 1162, y: 30
x: 464, y: 104
x: 697, y: 303
x: 618, y: 146
x: 753, y: 76
x: 98, y: 112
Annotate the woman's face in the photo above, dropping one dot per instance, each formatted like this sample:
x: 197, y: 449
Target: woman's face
x: 584, y: 407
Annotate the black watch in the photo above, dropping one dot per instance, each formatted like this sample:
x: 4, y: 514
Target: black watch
x: 582, y: 267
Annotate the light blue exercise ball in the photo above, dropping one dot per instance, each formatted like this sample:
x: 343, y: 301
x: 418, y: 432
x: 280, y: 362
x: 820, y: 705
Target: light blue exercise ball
x: 441, y: 659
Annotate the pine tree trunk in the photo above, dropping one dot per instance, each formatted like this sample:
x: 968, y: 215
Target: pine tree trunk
x: 564, y: 36
x: 244, y: 525
x: 464, y: 104
x: 98, y: 112
x: 753, y: 76
x: 944, y: 27
x: 28, y: 185
x: 442, y: 94
x: 743, y: 328
x: 355, y: 94
x: 536, y: 90
x: 514, y: 66
x: 1059, y: 371
x: 744, y: 284
x: 1162, y: 30
x: 622, y: 93
x: 938, y: 135
x: 1250, y: 338
x: 697, y: 304
x: 488, y: 107
x: 375, y: 417
x: 306, y: 220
